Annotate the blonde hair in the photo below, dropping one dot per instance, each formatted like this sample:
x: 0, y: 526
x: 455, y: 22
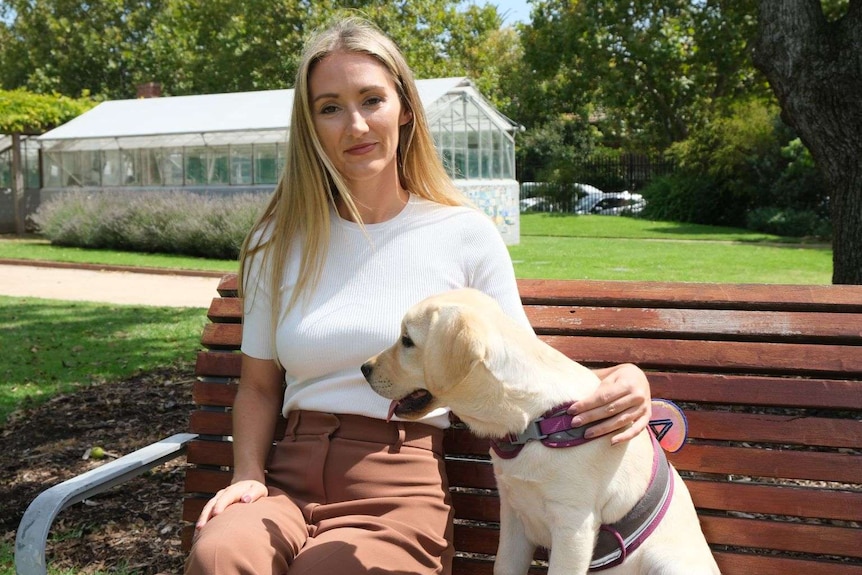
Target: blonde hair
x: 299, y: 210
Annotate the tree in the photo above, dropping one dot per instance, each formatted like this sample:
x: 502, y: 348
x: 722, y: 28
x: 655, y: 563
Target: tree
x: 648, y: 71
x: 109, y: 47
x: 22, y: 113
x: 814, y: 66
x: 76, y: 47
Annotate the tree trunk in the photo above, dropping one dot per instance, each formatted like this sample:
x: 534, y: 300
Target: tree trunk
x: 815, y: 69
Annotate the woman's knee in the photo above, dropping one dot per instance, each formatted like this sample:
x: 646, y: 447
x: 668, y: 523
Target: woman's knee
x: 237, y: 542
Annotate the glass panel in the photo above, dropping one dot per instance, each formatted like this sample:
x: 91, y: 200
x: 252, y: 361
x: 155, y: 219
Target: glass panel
x: 266, y: 169
x: 171, y: 162
x: 6, y: 170
x: 281, y: 152
x: 240, y: 165
x: 31, y: 164
x: 151, y: 170
x: 112, y: 168
x: 131, y: 173
x: 218, y: 162
x: 196, y: 163
x: 79, y: 169
x: 51, y: 169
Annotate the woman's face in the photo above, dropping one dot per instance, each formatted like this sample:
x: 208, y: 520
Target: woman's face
x: 357, y: 115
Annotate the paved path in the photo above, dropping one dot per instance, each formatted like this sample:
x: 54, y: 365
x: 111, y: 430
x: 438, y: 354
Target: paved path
x: 95, y: 285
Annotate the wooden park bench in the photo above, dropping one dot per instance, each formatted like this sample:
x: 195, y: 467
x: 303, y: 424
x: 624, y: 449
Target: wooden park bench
x: 770, y: 378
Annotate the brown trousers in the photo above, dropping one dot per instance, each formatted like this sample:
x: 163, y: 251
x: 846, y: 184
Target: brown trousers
x: 347, y: 495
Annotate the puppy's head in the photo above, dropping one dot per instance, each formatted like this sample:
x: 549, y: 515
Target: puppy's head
x: 443, y: 343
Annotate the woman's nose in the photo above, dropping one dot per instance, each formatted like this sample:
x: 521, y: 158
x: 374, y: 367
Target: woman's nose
x: 358, y: 124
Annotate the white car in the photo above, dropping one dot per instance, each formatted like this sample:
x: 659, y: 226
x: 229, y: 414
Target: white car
x: 585, y: 199
x: 617, y: 203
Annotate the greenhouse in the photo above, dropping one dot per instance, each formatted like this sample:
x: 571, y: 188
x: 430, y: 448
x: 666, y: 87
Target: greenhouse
x: 235, y: 142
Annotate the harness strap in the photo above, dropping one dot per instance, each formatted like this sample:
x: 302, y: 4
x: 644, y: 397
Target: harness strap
x: 615, y: 542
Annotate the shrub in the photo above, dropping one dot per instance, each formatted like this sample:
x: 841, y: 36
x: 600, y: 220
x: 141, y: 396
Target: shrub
x: 789, y: 222
x: 686, y: 197
x: 187, y: 223
x: 737, y: 165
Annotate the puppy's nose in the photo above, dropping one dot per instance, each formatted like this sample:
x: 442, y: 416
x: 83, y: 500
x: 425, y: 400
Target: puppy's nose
x: 366, y: 369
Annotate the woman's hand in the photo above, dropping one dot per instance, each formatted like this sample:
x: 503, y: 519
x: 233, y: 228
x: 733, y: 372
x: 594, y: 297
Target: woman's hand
x: 247, y: 491
x: 622, y: 401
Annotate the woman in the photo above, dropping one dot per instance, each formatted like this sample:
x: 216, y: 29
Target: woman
x: 364, y: 223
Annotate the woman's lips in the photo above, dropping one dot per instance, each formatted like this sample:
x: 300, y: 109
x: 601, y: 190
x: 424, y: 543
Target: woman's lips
x: 361, y: 149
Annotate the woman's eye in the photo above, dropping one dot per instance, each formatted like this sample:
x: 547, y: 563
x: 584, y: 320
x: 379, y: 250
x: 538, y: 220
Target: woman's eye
x: 373, y: 101
x: 329, y: 109
x: 406, y: 341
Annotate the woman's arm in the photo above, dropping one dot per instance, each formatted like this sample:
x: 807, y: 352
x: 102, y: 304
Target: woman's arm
x: 622, y: 401
x: 255, y: 411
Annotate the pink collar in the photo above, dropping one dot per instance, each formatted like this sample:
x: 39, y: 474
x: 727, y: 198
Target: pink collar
x: 553, y: 429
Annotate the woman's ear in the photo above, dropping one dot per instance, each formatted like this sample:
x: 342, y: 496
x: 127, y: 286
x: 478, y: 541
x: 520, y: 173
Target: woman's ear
x: 406, y: 116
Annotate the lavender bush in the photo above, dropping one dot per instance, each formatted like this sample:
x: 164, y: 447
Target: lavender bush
x: 188, y: 223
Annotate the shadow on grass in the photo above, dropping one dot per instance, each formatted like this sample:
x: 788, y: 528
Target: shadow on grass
x: 52, y: 346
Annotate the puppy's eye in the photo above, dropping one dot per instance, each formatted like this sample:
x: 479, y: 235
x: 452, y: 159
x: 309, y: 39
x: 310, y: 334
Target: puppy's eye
x: 406, y: 341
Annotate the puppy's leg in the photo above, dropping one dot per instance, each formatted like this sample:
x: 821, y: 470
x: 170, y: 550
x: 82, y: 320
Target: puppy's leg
x: 571, y: 547
x: 515, y: 552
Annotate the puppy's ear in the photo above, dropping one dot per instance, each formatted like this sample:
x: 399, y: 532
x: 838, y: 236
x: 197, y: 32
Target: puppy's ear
x: 453, y: 347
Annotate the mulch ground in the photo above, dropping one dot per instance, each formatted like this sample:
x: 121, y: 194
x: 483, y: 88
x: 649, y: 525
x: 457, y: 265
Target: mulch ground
x: 135, y: 527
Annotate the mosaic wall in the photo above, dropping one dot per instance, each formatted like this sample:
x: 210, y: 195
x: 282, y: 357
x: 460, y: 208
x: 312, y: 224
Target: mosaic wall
x: 498, y: 199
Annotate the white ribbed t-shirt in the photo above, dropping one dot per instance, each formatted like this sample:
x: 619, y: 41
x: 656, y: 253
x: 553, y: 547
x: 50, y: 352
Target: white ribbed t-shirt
x: 368, y: 282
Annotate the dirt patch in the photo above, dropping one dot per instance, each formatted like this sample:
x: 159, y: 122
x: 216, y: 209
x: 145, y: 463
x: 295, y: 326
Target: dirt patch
x: 134, y: 527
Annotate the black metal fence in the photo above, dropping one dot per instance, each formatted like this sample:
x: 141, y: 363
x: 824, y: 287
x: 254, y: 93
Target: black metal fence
x: 627, y: 172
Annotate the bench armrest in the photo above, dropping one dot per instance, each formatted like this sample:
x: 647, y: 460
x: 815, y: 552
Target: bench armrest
x: 36, y: 522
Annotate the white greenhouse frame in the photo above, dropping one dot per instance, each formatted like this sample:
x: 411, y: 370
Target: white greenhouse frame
x: 237, y: 140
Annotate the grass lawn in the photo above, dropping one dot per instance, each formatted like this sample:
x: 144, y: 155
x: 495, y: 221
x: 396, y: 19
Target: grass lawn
x: 612, y: 248
x: 566, y: 225
x: 38, y: 249
x: 557, y: 246
x: 55, y: 346
x: 630, y: 259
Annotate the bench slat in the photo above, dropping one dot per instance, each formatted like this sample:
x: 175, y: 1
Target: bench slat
x: 749, y: 564
x: 655, y: 294
x: 771, y: 499
x: 782, y: 536
x: 718, y: 357
x: 777, y: 463
x: 781, y: 429
x: 691, y: 295
x: 818, y: 393
x: 767, y: 499
x: 218, y: 364
x: 201, y: 480
x: 477, y: 566
x: 815, y: 327
x: 742, y: 533
x: 222, y: 335
x: 219, y: 394
x: 225, y: 310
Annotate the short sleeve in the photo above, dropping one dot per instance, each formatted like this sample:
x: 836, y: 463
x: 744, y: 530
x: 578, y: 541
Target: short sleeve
x: 491, y: 269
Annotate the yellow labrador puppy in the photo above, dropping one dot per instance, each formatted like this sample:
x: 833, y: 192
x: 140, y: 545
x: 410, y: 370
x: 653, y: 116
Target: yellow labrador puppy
x: 593, y: 505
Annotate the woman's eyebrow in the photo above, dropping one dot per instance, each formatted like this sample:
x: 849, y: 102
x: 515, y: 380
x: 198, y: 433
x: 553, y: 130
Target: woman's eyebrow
x: 364, y: 90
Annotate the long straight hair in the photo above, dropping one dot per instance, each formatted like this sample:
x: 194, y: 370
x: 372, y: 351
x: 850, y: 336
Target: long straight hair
x: 299, y: 210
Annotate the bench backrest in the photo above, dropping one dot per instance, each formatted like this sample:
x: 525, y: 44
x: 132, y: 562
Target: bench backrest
x: 770, y: 378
